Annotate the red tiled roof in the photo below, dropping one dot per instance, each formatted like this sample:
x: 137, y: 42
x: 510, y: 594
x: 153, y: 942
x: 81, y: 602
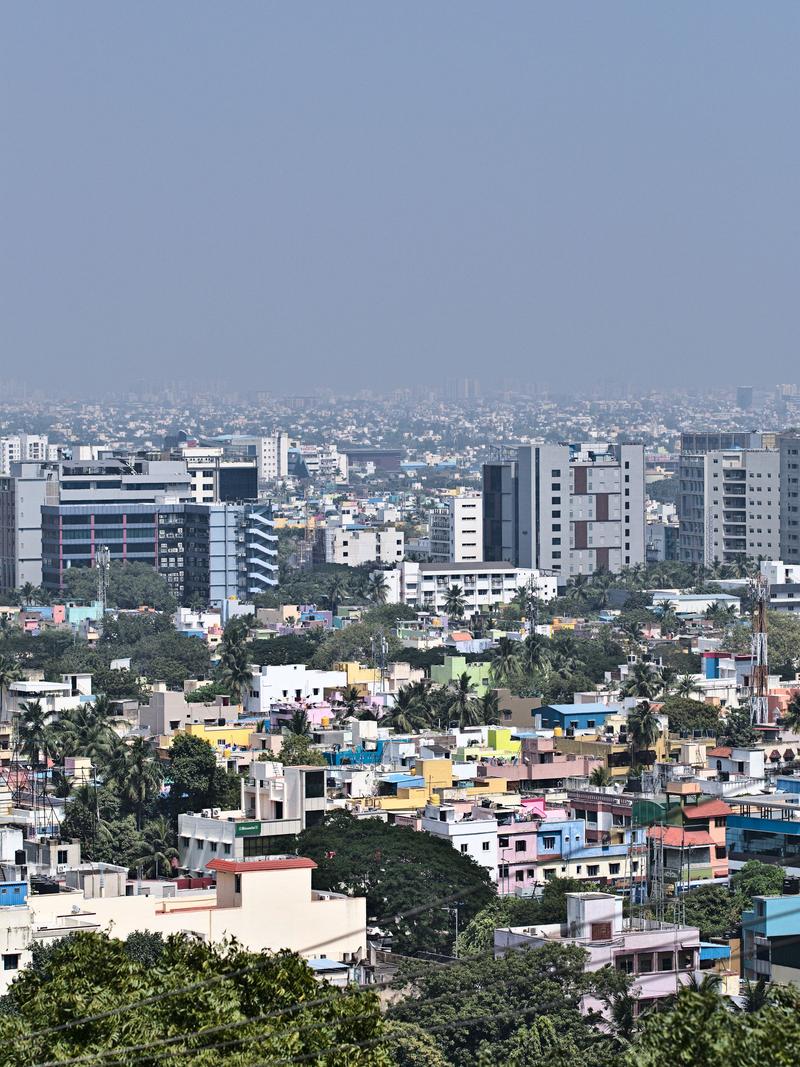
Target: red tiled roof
x: 721, y: 752
x: 678, y: 837
x: 713, y: 809
x: 242, y: 866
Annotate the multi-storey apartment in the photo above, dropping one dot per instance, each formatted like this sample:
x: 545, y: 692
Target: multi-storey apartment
x: 741, y: 493
x: 456, y: 529
x: 20, y: 448
x: 692, y: 496
x: 789, y: 450
x: 576, y: 508
x: 483, y: 585
x: 352, y: 546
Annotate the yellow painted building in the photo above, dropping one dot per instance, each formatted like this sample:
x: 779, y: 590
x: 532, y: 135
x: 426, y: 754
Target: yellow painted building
x: 499, y: 744
x: 358, y: 675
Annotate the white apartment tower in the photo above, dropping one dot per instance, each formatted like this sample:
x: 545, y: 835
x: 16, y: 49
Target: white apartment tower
x: 742, y: 504
x: 580, y: 507
x: 456, y: 529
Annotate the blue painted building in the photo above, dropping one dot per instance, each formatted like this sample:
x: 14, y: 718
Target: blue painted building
x: 765, y: 827
x: 771, y: 940
x: 574, y: 716
x: 13, y: 894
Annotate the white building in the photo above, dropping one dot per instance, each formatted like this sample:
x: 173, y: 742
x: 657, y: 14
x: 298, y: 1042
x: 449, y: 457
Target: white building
x: 784, y: 584
x: 267, y: 904
x: 741, y: 489
x: 456, y: 529
x: 290, y: 683
x: 276, y: 801
x: 353, y: 547
x: 18, y: 448
x: 476, y: 838
x: 55, y: 697
x: 483, y: 585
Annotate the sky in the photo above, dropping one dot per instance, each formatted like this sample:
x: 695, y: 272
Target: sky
x: 298, y: 196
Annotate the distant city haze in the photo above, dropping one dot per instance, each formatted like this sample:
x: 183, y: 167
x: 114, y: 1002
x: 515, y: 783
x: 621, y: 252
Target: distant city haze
x: 301, y: 196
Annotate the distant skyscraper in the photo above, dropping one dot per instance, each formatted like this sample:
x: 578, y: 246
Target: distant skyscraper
x: 744, y: 397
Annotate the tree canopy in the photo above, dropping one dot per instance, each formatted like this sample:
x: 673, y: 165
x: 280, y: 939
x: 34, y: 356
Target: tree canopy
x: 130, y: 585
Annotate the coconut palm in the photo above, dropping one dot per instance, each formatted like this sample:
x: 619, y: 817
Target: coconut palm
x: 299, y: 724
x: 159, y: 850
x: 642, y: 682
x: 632, y: 631
x: 82, y: 732
x: 644, y: 730
x: 336, y: 590
x: 454, y: 602
x: 143, y: 778
x: 461, y: 705
x: 600, y: 777
x: 505, y: 662
x: 378, y: 587
x: 687, y: 686
x: 531, y: 652
x: 407, y: 713
x: 9, y: 672
x: 487, y: 708
x: 28, y: 593
x: 235, y: 672
x: 756, y: 995
x: 34, y: 731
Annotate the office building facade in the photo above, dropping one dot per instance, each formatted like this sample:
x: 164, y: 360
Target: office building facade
x: 788, y: 444
x: 576, y: 508
x: 455, y: 529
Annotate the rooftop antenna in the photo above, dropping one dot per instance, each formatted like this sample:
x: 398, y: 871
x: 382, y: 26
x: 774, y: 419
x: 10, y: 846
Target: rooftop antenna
x: 759, y: 668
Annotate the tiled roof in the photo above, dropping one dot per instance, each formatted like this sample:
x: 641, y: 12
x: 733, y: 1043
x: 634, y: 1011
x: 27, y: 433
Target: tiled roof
x: 282, y: 863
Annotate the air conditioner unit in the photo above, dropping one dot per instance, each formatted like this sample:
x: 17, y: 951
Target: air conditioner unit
x: 206, y: 813
x: 216, y: 812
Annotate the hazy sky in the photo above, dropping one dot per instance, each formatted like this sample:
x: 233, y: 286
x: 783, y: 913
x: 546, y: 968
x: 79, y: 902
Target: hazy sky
x: 349, y: 194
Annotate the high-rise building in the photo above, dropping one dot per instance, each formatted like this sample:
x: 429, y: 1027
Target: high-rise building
x: 693, y: 514
x: 741, y: 505
x: 744, y: 397
x: 578, y: 508
x: 456, y: 529
x: 500, y: 511
x: 18, y: 448
x: 789, y: 451
x: 22, y: 496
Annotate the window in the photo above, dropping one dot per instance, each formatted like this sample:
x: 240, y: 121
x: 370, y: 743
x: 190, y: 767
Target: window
x: 10, y: 961
x: 548, y: 843
x: 315, y: 785
x: 463, y: 848
x: 593, y: 870
x: 555, y: 515
x: 624, y: 964
x: 519, y: 876
x: 502, y: 842
x: 237, y: 883
x: 226, y: 849
x: 485, y: 846
x: 549, y: 874
x: 644, y: 963
x: 212, y: 845
x: 613, y: 868
x: 61, y: 856
x: 665, y: 961
x: 520, y: 846
x: 184, y: 842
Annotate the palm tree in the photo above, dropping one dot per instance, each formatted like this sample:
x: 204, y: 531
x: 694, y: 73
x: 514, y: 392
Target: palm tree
x: 9, y: 672
x: 687, y: 686
x: 643, y: 681
x: 35, y: 733
x: 82, y: 732
x: 600, y: 777
x: 461, y: 704
x: 143, y: 777
x: 378, y: 587
x: 454, y: 602
x: 299, y: 724
x: 487, y: 708
x: 632, y: 631
x: 756, y: 995
x: 28, y: 593
x: 235, y: 671
x: 644, y: 730
x: 532, y: 652
x: 159, y: 851
x: 336, y: 591
x: 504, y: 661
x: 407, y: 713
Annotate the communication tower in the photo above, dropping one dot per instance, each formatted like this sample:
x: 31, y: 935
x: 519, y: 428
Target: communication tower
x: 759, y: 664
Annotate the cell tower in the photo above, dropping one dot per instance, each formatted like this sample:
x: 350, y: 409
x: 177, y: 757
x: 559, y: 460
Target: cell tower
x: 102, y: 561
x: 759, y: 668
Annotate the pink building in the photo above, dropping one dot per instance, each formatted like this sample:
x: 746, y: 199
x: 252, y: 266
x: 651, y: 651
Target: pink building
x: 658, y: 956
x: 540, y: 765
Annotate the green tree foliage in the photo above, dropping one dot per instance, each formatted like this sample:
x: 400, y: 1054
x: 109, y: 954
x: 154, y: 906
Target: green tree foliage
x: 737, y: 729
x: 293, y: 648
x: 397, y: 869
x: 716, y: 909
x: 701, y: 1030
x: 756, y: 879
x: 195, y: 780
x: 297, y: 751
x: 496, y: 1003
x: 689, y: 715
x: 90, y: 973
x: 207, y: 694
x: 130, y: 585
x: 354, y: 642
